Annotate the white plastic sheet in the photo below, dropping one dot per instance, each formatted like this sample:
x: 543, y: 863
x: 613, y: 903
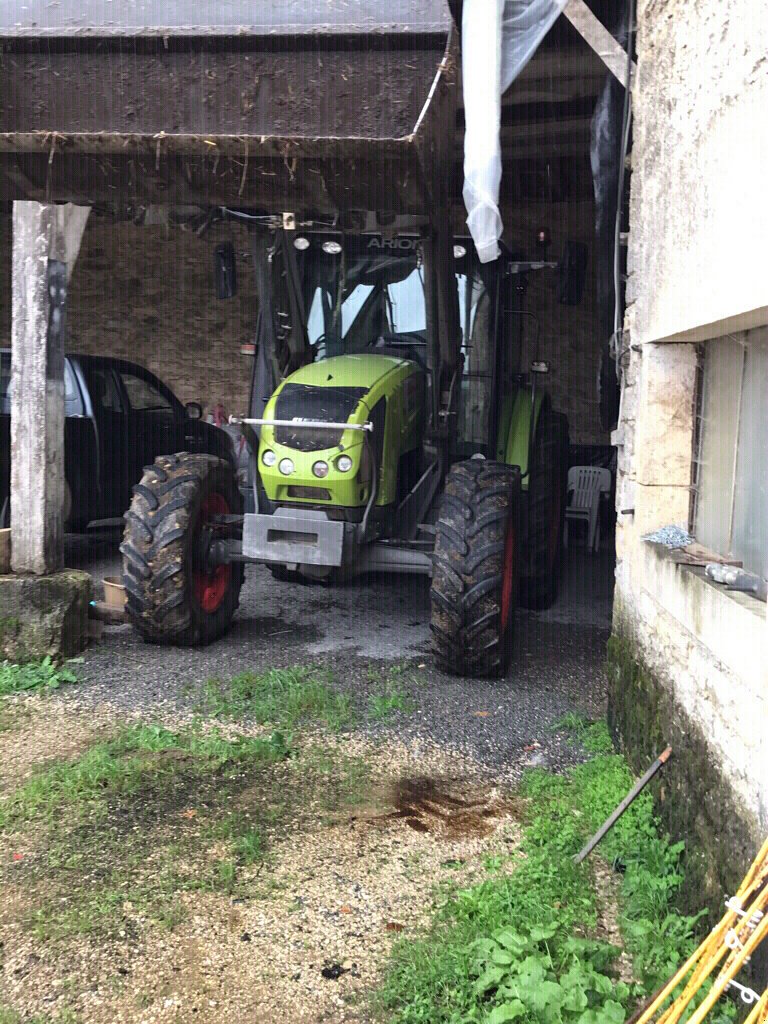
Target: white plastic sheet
x: 498, y: 38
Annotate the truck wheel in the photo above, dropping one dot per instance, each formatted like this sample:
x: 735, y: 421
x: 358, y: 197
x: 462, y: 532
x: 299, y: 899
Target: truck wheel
x: 544, y: 515
x: 171, y: 599
x: 474, y: 577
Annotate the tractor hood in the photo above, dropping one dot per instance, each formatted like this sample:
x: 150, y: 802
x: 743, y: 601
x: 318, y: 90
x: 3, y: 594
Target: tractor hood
x: 348, y: 371
x: 342, y: 389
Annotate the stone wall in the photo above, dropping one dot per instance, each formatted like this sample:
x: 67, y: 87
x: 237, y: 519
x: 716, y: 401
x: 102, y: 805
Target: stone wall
x: 690, y: 660
x: 146, y: 293
x: 567, y: 335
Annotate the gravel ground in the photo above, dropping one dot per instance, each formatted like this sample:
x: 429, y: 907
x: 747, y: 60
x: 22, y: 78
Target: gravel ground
x: 368, y: 626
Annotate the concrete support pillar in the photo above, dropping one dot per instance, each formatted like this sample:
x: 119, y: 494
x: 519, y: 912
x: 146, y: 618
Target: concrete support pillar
x: 46, y: 241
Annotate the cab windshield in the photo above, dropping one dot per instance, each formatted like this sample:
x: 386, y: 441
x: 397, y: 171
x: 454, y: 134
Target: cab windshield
x: 365, y: 299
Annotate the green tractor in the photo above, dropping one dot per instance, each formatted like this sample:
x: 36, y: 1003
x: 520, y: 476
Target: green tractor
x: 392, y: 428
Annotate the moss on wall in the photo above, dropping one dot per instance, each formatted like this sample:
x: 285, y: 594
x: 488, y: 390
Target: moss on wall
x: 694, y: 796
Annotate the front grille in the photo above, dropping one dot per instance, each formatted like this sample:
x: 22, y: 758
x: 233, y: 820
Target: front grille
x: 309, y: 402
x: 315, y: 493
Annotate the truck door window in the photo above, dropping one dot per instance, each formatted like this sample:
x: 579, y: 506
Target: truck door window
x: 5, y: 383
x: 103, y: 388
x: 144, y: 396
x: 73, y: 403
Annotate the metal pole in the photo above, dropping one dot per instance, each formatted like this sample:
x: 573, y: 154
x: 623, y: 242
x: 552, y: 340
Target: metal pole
x: 611, y: 820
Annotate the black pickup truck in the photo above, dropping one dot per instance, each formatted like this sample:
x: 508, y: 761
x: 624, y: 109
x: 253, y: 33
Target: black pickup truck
x: 119, y: 416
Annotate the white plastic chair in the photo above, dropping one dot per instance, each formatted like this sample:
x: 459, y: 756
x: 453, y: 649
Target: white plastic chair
x: 585, y: 485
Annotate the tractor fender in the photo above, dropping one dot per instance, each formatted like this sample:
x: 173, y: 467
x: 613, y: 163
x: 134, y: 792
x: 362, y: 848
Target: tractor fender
x: 516, y: 426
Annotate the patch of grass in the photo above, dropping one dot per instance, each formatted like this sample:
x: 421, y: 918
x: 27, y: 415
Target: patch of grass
x: 138, y: 757
x: 284, y: 697
x: 592, y: 736
x: 43, y: 675
x: 523, y: 943
x: 395, y: 696
x: 129, y: 825
x: 383, y: 706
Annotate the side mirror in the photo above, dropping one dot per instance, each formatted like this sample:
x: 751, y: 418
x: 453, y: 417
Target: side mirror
x: 194, y: 410
x: 572, y: 270
x: 225, y: 271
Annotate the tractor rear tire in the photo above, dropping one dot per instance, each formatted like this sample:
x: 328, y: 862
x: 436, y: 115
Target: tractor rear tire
x: 544, y: 515
x: 170, y: 598
x: 474, y: 577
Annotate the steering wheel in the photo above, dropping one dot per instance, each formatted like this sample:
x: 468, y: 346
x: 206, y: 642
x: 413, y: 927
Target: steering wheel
x: 396, y: 341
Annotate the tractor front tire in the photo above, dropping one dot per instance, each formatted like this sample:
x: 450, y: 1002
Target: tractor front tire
x: 474, y: 576
x: 170, y: 598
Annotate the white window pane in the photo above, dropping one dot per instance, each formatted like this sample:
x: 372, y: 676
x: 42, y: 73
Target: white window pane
x: 719, y: 414
x: 750, y: 520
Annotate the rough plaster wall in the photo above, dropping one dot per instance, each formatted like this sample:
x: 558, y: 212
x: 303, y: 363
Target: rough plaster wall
x: 147, y: 294
x: 698, y: 213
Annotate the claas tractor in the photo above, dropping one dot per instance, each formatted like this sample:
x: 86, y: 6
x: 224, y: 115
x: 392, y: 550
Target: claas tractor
x: 392, y: 427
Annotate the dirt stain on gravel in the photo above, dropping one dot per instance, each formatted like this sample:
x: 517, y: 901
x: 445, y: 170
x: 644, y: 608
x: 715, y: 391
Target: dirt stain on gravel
x: 442, y: 808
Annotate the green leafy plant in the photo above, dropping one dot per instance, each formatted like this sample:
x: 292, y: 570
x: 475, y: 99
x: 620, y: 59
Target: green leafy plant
x: 43, y: 675
x: 285, y: 697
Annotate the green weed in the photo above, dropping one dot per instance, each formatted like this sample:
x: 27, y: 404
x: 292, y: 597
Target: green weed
x: 384, y: 706
x: 43, y: 675
x: 592, y: 736
x: 285, y: 697
x: 395, y: 696
x: 521, y: 945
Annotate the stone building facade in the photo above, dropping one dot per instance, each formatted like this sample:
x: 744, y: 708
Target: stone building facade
x: 690, y: 659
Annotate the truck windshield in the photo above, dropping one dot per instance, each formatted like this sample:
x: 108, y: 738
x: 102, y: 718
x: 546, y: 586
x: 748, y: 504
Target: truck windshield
x: 364, y: 299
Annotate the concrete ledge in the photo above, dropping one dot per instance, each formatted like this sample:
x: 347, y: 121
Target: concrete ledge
x: 731, y: 625
x: 44, y: 615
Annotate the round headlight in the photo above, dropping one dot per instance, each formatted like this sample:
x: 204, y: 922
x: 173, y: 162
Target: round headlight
x: 286, y: 466
x: 268, y: 457
x: 344, y: 463
x: 301, y: 243
x: 320, y: 469
x: 332, y: 248
x: 459, y: 251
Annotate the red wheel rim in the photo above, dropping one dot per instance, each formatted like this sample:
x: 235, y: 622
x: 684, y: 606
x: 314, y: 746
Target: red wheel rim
x: 211, y: 587
x: 508, y: 576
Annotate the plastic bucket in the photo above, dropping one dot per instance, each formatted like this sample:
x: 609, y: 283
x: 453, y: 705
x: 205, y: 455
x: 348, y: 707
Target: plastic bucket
x: 114, y: 592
